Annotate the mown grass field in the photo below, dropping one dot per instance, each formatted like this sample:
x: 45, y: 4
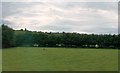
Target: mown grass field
x: 59, y: 59
x: 0, y: 60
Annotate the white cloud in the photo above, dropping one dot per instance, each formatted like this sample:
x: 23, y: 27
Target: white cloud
x: 61, y: 17
x: 59, y: 0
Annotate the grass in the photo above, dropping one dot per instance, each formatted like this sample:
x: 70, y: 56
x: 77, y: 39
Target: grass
x: 0, y: 60
x: 59, y: 59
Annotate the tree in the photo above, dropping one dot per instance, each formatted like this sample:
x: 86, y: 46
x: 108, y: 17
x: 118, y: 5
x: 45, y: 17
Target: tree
x: 7, y: 36
x: 25, y: 37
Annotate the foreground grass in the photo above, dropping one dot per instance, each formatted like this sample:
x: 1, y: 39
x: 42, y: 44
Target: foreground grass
x: 0, y: 60
x: 59, y: 59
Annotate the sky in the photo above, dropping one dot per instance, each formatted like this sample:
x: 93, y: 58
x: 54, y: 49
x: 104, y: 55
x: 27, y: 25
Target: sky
x: 80, y: 17
x: 59, y: 0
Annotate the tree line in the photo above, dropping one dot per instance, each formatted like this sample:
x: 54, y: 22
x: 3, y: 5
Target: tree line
x: 15, y: 38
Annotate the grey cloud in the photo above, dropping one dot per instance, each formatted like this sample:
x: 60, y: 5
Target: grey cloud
x: 13, y: 8
x: 60, y: 0
x: 71, y: 26
x: 6, y: 22
x: 97, y: 25
x: 9, y: 8
x: 0, y: 13
x: 57, y: 28
x: 95, y: 5
x: 102, y: 30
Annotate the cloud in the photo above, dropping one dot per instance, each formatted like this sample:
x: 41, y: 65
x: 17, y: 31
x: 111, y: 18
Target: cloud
x: 93, y: 17
x: 60, y: 0
x: 0, y: 7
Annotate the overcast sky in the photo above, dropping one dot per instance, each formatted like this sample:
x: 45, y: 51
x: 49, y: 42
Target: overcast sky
x: 81, y: 17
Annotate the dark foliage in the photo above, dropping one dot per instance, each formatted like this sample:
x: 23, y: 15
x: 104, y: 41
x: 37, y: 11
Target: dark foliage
x: 45, y: 39
x: 7, y: 36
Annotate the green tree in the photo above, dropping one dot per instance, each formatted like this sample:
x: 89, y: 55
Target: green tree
x: 7, y: 36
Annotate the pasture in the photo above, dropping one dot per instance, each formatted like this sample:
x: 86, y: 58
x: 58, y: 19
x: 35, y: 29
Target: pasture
x: 59, y: 59
x: 0, y: 60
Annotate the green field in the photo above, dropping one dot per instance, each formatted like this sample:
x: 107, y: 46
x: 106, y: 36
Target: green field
x: 59, y: 59
x: 0, y: 60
